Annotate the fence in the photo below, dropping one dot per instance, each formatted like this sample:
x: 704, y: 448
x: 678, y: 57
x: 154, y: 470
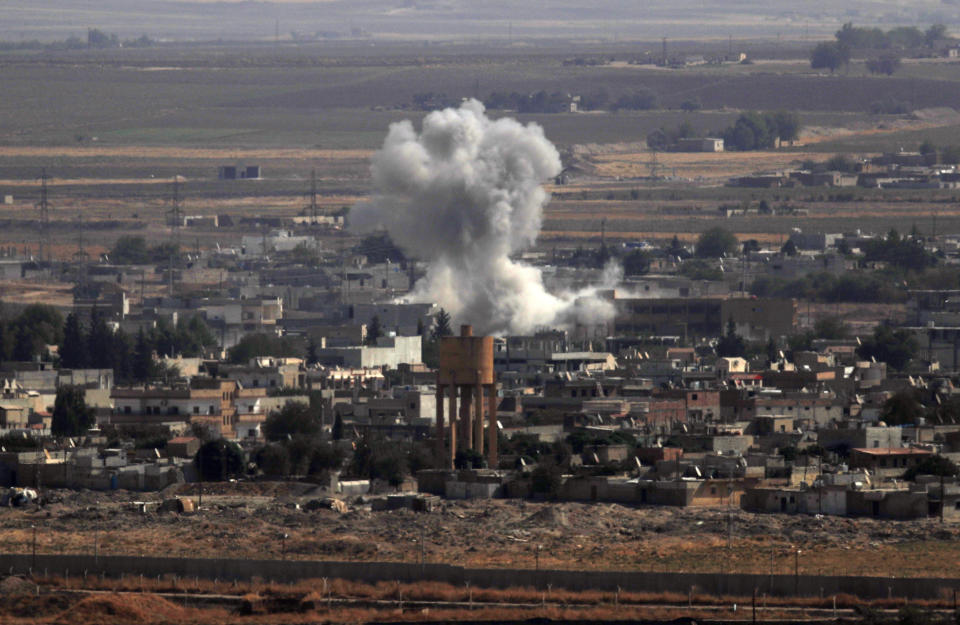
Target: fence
x: 737, y: 584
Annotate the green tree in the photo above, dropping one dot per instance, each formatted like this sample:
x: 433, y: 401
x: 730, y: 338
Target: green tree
x: 336, y: 432
x: 904, y: 407
x: 731, y: 344
x: 932, y: 465
x: 829, y: 55
x: 5, y: 344
x: 636, y: 262
x: 950, y: 155
x: 546, y: 480
x: 35, y: 327
x: 831, y: 328
x: 73, y: 347
x: 906, y: 253
x: 716, y: 243
x: 312, y: 357
x: 325, y: 457
x: 441, y: 325
x: 254, y: 345
x: 100, y: 342
x: 896, y: 347
x: 71, y: 416
x: 884, y: 64
x: 374, y: 331
x: 219, y: 460
x: 294, y: 419
x: 192, y: 337
x: 697, y: 269
x: 130, y: 250
x: 933, y: 34
x: 24, y: 347
x: 772, y: 351
x: 273, y: 459
x: 122, y: 357
x: 677, y: 249
x: 786, y: 125
x: 143, y: 367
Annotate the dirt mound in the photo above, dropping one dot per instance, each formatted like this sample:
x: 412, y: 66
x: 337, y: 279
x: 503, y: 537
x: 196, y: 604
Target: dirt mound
x: 110, y: 609
x: 14, y: 585
x: 548, y: 516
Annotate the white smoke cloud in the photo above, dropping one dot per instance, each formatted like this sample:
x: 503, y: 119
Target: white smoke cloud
x: 464, y: 195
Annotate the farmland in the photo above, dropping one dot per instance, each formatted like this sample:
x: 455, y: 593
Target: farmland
x: 113, y: 127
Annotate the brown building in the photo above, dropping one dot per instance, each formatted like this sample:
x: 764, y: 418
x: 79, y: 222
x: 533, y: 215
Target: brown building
x: 205, y: 401
x: 887, y: 460
x: 688, y: 317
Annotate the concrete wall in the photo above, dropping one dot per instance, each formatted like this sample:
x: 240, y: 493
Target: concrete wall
x: 291, y: 570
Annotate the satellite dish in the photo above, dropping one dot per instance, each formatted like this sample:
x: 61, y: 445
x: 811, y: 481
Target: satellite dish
x: 696, y: 470
x: 637, y: 460
x: 523, y: 462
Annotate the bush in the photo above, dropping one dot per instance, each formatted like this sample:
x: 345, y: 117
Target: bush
x: 219, y: 460
x: 294, y: 419
x: 716, y: 243
x: 546, y: 479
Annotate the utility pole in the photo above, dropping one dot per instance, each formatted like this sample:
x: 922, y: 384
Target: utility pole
x: 44, y: 207
x: 80, y: 258
x: 176, y: 218
x: 313, y: 196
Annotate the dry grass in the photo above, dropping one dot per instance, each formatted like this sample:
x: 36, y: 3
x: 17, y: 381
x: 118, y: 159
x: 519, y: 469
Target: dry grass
x: 716, y: 166
x: 319, y: 590
x: 137, y: 151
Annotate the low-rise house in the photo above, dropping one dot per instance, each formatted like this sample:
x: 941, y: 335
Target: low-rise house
x: 886, y: 461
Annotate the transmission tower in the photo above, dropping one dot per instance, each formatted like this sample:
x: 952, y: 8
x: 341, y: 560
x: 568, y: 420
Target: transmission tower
x: 176, y: 218
x: 80, y: 258
x: 44, y: 206
x: 654, y: 165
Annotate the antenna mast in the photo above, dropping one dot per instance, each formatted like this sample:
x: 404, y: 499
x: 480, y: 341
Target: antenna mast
x: 176, y: 218
x: 313, y: 195
x: 44, y: 207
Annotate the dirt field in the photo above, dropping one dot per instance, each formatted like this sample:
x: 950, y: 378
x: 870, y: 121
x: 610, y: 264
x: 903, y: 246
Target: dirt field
x: 246, y: 519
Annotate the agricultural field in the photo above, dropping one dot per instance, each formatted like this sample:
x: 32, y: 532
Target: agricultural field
x: 125, y: 122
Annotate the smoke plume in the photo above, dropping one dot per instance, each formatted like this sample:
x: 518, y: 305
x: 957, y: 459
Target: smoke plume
x: 464, y: 195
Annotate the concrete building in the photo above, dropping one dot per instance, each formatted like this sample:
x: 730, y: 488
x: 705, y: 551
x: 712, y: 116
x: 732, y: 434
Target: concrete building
x: 390, y: 351
x: 700, y: 144
x: 756, y: 319
x: 866, y: 437
x: 205, y: 401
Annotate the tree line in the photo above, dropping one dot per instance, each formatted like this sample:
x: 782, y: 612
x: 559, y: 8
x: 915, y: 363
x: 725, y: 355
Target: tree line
x: 751, y: 131
x: 885, y: 46
x: 95, y: 345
